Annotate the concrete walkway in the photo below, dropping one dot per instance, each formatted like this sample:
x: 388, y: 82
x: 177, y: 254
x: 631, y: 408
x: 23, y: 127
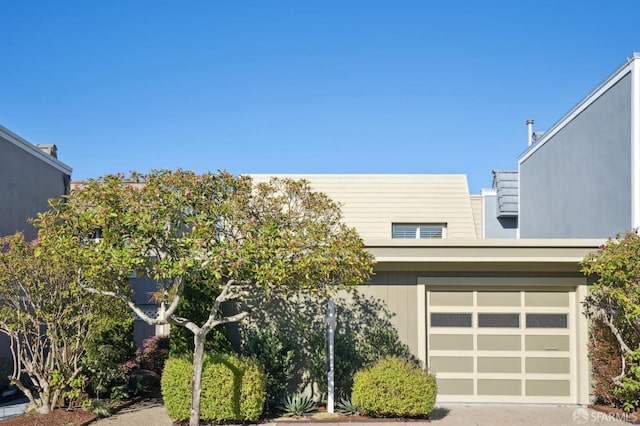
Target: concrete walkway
x: 153, y: 413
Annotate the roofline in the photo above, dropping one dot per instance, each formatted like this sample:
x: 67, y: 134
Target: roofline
x: 609, y: 82
x: 585, y: 243
x: 33, y: 150
x: 483, y: 255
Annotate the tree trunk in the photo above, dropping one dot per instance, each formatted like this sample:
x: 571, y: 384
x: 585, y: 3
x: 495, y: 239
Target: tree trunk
x: 196, y: 385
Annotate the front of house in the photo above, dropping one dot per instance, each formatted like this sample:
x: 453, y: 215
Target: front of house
x: 486, y: 289
x: 497, y: 320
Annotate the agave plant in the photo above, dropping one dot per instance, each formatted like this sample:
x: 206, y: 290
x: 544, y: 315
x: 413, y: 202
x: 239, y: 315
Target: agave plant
x: 346, y: 406
x: 297, y: 405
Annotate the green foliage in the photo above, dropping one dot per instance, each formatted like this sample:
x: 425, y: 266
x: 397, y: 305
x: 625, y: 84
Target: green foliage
x: 364, y: 334
x: 99, y: 407
x: 394, y: 387
x: 346, y: 406
x: 297, y: 405
x: 46, y: 316
x: 629, y: 391
x: 213, y: 231
x: 276, y: 353
x: 613, y: 301
x: 233, y: 388
x: 111, y: 345
x: 196, y: 305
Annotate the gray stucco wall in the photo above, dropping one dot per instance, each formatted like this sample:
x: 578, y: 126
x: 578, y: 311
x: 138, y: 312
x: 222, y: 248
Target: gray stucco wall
x: 578, y: 184
x: 26, y: 183
x: 495, y: 227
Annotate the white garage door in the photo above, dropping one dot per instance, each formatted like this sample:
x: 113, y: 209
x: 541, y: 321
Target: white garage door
x: 502, y: 345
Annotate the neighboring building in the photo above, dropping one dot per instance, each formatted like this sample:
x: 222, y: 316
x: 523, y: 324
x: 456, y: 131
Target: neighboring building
x: 29, y: 176
x: 581, y: 178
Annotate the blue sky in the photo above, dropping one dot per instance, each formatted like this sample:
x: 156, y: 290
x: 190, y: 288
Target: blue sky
x: 302, y: 86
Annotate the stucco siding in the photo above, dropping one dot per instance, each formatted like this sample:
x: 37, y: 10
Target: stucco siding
x: 372, y: 203
x: 577, y: 184
x: 26, y: 183
x: 497, y: 227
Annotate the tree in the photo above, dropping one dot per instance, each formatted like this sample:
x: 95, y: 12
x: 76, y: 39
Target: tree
x: 213, y: 230
x: 47, y: 317
x: 614, y: 301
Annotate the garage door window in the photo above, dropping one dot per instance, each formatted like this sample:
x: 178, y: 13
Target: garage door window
x: 546, y: 320
x: 450, y: 320
x: 499, y: 320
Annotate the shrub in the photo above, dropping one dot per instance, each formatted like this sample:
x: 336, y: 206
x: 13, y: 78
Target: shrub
x: 233, y: 388
x: 153, y: 354
x: 394, y: 387
x: 275, y: 351
x: 112, y: 345
x: 297, y: 404
x: 196, y: 305
x: 606, y: 363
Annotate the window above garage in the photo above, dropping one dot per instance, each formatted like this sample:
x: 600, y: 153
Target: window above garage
x: 419, y: 230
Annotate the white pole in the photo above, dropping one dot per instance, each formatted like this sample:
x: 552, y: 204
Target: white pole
x: 330, y: 320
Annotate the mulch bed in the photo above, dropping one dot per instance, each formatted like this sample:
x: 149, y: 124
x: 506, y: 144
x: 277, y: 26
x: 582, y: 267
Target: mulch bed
x: 607, y: 413
x: 58, y: 417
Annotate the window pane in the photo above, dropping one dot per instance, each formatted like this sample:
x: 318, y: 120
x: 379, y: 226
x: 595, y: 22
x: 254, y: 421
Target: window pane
x: 450, y: 320
x: 427, y: 231
x: 499, y: 320
x: 546, y: 320
x: 404, y: 231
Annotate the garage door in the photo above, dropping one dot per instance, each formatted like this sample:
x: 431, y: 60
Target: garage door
x: 502, y: 345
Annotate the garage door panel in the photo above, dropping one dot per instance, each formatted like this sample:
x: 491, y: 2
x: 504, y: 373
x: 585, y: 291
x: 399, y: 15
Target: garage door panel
x: 499, y: 364
x: 451, y: 298
x: 499, y: 298
x: 548, y: 388
x: 547, y: 365
x: 497, y: 342
x: 506, y: 346
x: 509, y: 387
x: 546, y: 299
x: 451, y: 342
x: 546, y: 342
x: 451, y: 364
x: 455, y: 386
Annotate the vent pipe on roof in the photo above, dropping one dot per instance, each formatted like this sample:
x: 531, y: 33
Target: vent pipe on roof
x: 530, y: 131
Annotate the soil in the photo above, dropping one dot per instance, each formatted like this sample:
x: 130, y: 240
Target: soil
x: 58, y: 417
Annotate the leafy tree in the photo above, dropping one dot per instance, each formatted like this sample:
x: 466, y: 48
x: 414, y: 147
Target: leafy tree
x: 614, y: 301
x: 47, y: 317
x: 175, y: 227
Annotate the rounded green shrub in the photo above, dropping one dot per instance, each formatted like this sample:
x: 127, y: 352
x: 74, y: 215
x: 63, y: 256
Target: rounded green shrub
x: 394, y: 387
x: 233, y: 388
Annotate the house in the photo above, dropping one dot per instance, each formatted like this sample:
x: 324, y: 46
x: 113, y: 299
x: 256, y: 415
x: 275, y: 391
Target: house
x: 581, y: 178
x: 29, y: 176
x: 497, y: 320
